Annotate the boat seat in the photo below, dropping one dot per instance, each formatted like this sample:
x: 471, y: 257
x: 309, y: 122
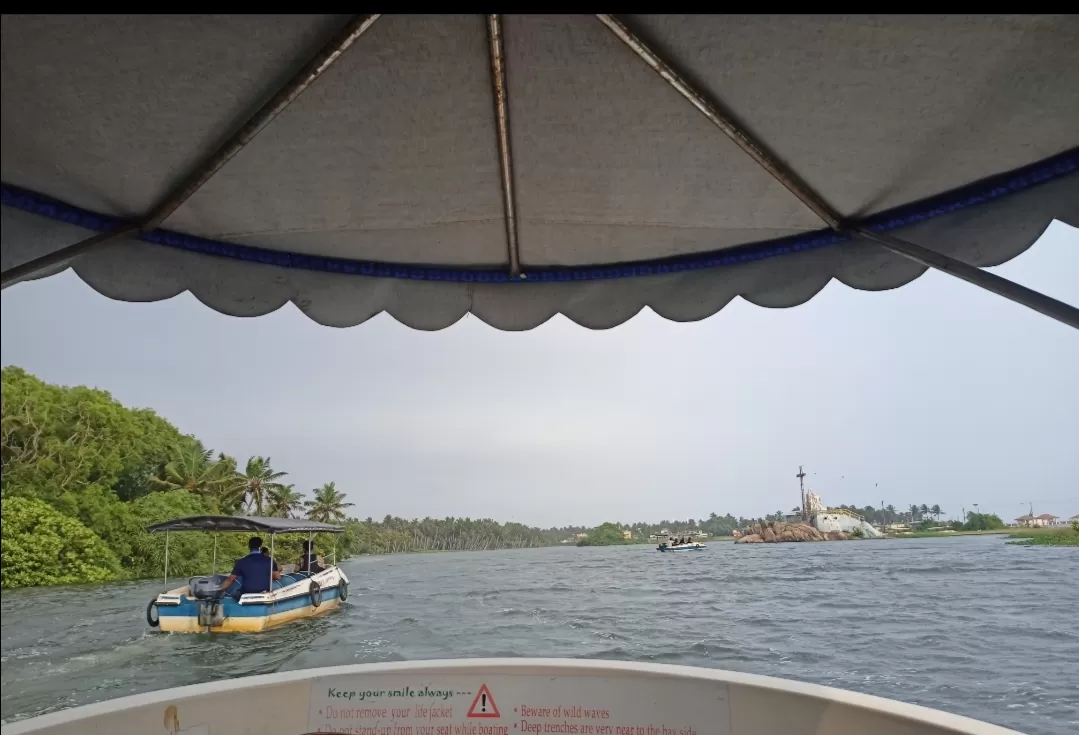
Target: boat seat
x: 287, y: 579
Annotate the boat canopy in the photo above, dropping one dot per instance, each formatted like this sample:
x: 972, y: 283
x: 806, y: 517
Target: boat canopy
x: 520, y: 166
x: 253, y: 524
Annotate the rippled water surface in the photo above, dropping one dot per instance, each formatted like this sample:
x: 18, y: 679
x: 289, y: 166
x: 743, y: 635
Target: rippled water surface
x: 969, y: 625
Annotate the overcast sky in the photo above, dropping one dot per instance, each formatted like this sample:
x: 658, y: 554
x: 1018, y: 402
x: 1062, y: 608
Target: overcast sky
x: 933, y: 393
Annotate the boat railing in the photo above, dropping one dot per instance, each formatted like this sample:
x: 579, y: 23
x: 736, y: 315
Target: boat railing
x: 844, y: 512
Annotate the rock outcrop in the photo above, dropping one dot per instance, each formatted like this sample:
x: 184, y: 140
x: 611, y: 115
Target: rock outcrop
x: 776, y: 532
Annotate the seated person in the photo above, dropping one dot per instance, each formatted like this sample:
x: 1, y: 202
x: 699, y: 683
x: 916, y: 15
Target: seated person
x: 256, y: 569
x: 309, y: 561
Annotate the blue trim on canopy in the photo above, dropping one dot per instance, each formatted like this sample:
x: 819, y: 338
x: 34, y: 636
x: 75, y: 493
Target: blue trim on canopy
x: 978, y: 193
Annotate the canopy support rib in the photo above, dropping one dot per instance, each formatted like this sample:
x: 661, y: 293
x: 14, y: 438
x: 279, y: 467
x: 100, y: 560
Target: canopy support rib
x: 505, y: 158
x: 1010, y: 290
x: 303, y: 79
x: 713, y: 111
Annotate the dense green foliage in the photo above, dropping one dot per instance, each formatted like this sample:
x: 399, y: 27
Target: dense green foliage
x: 98, y: 473
x: 981, y: 522
x: 395, y: 535
x: 42, y: 546
x: 607, y: 534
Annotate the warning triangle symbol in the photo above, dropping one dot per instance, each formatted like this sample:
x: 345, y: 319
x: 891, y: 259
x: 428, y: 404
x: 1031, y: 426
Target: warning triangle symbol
x: 484, y: 704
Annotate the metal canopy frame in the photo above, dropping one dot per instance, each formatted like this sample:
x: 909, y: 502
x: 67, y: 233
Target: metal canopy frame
x: 244, y: 524
x: 703, y: 102
x: 754, y: 149
x: 293, y: 88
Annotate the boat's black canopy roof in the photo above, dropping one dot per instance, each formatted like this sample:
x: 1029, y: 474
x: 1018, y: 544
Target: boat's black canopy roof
x: 245, y: 523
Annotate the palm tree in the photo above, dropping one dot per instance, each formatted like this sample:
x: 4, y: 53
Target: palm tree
x: 230, y: 488
x: 914, y: 511
x: 892, y: 512
x: 260, y: 481
x: 923, y: 509
x: 192, y: 469
x: 328, y: 505
x: 936, y: 511
x: 284, y: 501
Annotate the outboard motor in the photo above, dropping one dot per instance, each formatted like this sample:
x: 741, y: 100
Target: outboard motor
x: 208, y: 592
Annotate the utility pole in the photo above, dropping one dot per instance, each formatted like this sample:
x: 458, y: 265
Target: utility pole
x: 801, y: 486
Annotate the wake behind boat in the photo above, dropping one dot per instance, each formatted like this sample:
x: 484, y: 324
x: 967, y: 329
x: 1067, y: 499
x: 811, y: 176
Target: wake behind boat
x: 206, y: 604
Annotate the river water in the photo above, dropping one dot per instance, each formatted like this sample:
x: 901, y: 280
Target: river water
x: 968, y: 625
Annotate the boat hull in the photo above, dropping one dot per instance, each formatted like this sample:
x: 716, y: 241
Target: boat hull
x: 684, y: 547
x: 179, y: 613
x: 249, y: 619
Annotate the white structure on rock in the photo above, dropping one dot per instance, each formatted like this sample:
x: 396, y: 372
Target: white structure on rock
x: 826, y: 519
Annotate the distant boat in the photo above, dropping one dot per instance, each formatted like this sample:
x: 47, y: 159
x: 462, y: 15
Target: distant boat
x: 666, y: 545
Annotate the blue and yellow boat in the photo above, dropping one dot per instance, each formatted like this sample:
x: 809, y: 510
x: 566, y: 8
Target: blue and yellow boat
x: 201, y: 606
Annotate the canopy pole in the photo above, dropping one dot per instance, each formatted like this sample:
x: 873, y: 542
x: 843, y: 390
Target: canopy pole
x: 505, y: 158
x: 1010, y: 290
x: 303, y: 79
x: 213, y: 568
x: 271, y: 562
x: 713, y: 111
x: 166, y: 560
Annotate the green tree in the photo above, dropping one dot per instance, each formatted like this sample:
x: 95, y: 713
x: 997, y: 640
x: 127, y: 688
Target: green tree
x: 260, y: 482
x: 328, y: 505
x: 285, y: 501
x: 607, y: 534
x: 57, y: 441
x: 982, y: 522
x: 936, y: 511
x: 42, y: 546
x: 193, y: 469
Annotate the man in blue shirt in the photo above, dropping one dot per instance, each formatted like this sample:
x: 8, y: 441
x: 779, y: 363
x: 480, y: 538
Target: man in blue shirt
x: 255, y: 570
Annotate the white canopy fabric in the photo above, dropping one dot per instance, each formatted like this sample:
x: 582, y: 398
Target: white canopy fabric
x: 379, y: 187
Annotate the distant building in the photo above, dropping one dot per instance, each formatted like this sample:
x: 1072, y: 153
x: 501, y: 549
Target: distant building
x: 1074, y: 518
x: 627, y: 535
x: 579, y: 536
x: 1039, y: 521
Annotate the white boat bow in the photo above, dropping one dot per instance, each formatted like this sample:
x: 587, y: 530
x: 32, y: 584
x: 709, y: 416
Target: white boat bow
x: 504, y: 697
